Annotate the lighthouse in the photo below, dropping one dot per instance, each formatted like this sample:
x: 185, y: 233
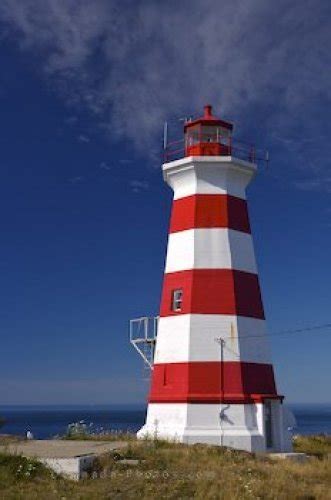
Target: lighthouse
x: 212, y: 377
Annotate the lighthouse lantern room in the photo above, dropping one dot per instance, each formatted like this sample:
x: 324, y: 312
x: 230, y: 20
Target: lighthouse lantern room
x: 212, y: 380
x: 207, y: 136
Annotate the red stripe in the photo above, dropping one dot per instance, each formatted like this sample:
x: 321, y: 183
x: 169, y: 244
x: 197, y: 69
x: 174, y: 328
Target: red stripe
x: 210, y: 382
x: 209, y: 210
x: 230, y: 399
x: 213, y: 291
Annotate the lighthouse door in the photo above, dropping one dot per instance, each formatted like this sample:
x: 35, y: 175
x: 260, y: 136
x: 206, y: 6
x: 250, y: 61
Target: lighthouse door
x: 268, y: 424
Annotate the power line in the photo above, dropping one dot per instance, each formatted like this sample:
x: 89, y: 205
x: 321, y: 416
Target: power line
x: 305, y: 329
x: 285, y: 332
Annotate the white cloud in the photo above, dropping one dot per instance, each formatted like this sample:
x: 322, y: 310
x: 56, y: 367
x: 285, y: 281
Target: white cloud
x: 71, y: 120
x: 83, y: 138
x: 315, y: 184
x: 135, y: 64
x: 139, y: 186
x: 104, y: 166
x: 76, y: 180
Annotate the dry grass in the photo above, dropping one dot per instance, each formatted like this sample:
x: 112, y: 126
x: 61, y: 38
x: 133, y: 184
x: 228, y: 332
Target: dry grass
x: 179, y: 471
x: 8, y: 438
x: 106, y: 436
x: 319, y: 446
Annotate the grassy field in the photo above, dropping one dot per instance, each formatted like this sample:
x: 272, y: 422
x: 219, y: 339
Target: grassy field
x: 178, y: 471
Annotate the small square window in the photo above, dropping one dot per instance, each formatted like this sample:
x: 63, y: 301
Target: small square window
x: 177, y: 300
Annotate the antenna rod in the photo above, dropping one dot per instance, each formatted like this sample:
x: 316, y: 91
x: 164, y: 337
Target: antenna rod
x: 165, y: 135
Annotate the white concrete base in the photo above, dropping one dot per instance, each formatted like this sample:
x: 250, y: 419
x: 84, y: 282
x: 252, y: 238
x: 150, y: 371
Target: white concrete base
x: 294, y: 457
x: 239, y: 426
x: 250, y: 441
x: 75, y: 468
x: 72, y: 459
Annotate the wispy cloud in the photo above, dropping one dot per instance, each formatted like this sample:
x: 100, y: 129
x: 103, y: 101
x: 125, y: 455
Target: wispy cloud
x: 315, y: 184
x: 104, y: 166
x: 76, y: 180
x: 136, y: 64
x: 83, y: 138
x: 139, y: 186
x: 71, y: 120
x: 125, y: 161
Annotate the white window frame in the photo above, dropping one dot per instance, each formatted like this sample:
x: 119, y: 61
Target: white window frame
x: 177, y: 299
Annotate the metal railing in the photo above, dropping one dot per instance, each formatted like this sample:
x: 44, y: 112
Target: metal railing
x: 175, y: 150
x: 143, y: 333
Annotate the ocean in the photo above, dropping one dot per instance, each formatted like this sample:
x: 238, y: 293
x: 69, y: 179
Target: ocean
x: 49, y: 421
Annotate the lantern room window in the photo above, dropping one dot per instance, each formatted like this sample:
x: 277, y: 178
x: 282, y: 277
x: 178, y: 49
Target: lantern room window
x: 177, y: 300
x: 193, y: 136
x: 205, y: 134
x: 208, y: 136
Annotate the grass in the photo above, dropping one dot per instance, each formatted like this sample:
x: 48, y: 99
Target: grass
x: 318, y: 446
x: 169, y: 470
x: 107, y: 436
x: 8, y: 438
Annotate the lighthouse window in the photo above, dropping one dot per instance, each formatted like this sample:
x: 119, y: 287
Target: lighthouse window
x: 177, y: 299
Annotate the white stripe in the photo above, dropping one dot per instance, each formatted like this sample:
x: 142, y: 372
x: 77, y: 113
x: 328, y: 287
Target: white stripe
x: 240, y: 426
x: 213, y: 248
x: 192, y: 337
x: 208, y: 175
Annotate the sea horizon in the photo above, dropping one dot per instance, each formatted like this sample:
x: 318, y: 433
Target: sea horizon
x: 50, y: 420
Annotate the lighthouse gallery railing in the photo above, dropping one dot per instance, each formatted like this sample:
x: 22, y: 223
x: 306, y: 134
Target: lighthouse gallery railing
x: 175, y: 150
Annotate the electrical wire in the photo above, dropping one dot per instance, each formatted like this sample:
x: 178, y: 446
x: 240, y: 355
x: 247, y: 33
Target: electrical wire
x: 286, y: 332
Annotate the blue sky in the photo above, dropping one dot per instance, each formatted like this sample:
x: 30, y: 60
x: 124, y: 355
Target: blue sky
x: 85, y: 88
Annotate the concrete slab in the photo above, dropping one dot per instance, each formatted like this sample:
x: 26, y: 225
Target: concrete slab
x: 57, y: 448
x: 70, y: 458
x: 295, y: 457
x: 72, y: 468
x: 130, y: 461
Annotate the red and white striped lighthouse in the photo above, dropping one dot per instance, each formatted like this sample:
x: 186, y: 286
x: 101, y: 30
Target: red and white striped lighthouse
x: 212, y: 379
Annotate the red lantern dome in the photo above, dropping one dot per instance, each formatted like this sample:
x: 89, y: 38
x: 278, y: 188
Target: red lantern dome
x: 208, y: 135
